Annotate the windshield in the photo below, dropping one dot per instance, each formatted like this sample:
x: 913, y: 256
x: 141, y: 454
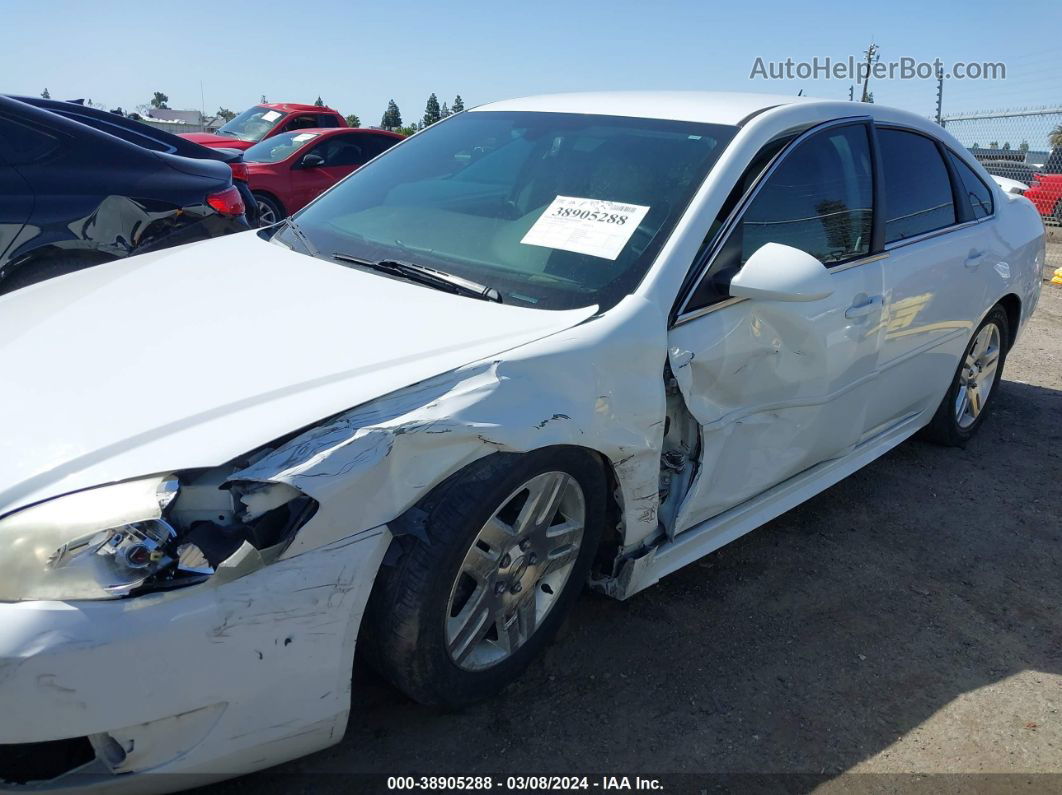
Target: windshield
x: 278, y: 147
x: 553, y: 210
x: 252, y: 124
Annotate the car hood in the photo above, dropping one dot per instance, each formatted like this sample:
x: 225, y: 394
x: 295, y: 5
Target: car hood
x: 192, y: 356
x: 217, y: 141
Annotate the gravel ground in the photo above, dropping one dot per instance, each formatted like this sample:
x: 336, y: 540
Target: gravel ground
x: 904, y: 621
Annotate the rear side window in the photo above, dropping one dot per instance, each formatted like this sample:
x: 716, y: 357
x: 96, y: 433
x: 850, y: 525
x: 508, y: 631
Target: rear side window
x: 975, y: 190
x: 819, y: 199
x: 341, y: 150
x: 327, y: 120
x: 918, y: 196
x: 375, y: 144
x: 20, y: 144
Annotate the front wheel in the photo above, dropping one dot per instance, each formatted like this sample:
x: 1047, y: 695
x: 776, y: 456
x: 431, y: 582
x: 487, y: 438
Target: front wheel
x: 964, y: 406
x: 269, y: 210
x: 471, y: 600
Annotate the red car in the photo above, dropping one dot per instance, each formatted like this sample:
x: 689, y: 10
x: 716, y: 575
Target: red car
x: 266, y: 120
x: 286, y: 171
x: 1045, y: 191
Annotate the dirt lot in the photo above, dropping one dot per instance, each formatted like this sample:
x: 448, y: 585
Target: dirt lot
x: 905, y: 621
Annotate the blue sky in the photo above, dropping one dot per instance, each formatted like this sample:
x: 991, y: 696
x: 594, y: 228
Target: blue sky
x: 357, y: 54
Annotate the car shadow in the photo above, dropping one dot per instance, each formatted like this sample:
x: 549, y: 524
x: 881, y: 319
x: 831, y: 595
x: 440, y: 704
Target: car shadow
x: 805, y: 647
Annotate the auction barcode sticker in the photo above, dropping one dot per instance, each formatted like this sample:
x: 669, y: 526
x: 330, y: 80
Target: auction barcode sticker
x: 586, y: 226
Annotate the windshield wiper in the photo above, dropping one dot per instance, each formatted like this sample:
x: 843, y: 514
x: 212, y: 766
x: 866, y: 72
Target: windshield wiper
x: 430, y: 277
x: 296, y: 230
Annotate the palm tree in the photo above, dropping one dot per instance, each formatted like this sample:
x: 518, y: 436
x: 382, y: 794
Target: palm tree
x: 1056, y: 137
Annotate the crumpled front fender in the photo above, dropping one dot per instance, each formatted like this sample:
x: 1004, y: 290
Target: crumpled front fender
x: 598, y: 385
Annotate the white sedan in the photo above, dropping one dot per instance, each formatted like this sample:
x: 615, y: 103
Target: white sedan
x: 550, y: 341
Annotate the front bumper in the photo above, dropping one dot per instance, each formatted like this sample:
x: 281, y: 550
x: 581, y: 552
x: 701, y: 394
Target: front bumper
x: 173, y: 689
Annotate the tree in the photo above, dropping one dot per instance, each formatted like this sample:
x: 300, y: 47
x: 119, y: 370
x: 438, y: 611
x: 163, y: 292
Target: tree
x: 262, y: 100
x: 353, y: 120
x: 976, y: 145
x: 1024, y: 146
x: 118, y: 111
x: 994, y: 145
x: 870, y: 97
x: 46, y: 94
x: 160, y: 100
x: 392, y: 118
x: 320, y: 102
x: 458, y: 106
x: 1006, y: 146
x: 1055, y: 138
x: 431, y: 111
x: 872, y: 57
x: 445, y: 111
x: 407, y: 131
x: 226, y: 114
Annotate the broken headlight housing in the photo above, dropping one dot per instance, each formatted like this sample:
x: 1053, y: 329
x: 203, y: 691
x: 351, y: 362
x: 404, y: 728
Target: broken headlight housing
x: 131, y: 537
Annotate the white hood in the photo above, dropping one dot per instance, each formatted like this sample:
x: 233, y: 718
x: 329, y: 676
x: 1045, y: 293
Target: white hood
x: 192, y: 356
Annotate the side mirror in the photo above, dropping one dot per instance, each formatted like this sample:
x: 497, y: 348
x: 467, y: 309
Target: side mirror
x: 776, y: 272
x: 311, y: 161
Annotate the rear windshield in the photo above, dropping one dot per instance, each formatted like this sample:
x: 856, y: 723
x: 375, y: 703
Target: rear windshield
x: 278, y: 147
x: 554, y: 210
x: 252, y: 124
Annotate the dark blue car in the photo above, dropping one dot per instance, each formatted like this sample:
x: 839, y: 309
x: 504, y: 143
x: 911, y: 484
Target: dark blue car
x: 73, y: 195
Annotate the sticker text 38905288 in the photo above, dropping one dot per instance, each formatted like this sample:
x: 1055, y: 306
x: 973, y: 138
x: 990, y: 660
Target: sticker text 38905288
x: 586, y: 226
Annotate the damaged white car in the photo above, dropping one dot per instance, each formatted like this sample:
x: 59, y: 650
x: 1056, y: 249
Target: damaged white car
x: 548, y: 341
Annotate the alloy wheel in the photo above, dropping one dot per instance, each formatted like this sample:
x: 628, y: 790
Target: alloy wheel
x: 267, y: 214
x: 515, y: 570
x: 978, y: 376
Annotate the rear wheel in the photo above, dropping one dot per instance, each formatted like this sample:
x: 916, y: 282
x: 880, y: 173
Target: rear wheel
x: 975, y: 384
x: 269, y: 210
x: 506, y: 547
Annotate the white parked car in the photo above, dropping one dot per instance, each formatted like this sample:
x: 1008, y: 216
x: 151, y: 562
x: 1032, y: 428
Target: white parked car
x: 548, y: 341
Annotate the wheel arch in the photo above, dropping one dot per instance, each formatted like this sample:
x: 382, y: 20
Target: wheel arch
x: 1011, y: 304
x: 41, y: 256
x: 271, y: 196
x: 408, y: 523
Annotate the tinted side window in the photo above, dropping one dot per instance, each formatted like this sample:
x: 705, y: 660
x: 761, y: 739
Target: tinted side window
x: 819, y: 199
x: 303, y: 122
x: 341, y: 150
x: 327, y: 120
x: 917, y: 188
x: 976, y: 191
x: 375, y: 144
x: 20, y: 144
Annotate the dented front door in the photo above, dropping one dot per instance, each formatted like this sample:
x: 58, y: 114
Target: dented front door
x: 780, y: 386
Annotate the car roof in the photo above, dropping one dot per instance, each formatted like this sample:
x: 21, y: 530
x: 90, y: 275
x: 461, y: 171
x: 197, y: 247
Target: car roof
x: 289, y: 107
x: 711, y: 107
x: 126, y: 129
x: 337, y: 130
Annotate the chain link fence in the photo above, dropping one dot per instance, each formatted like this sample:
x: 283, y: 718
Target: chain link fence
x: 1023, y: 145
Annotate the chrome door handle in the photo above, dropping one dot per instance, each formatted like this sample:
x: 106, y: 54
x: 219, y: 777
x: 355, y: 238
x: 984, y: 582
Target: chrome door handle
x: 871, y: 303
x: 973, y: 259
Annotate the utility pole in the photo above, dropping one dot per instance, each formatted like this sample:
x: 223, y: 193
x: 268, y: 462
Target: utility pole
x: 940, y: 94
x: 872, y: 56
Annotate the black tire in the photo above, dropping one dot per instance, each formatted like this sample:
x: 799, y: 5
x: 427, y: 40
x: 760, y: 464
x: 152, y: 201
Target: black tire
x: 403, y: 633
x: 945, y: 428
x: 270, y: 210
x: 48, y: 266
